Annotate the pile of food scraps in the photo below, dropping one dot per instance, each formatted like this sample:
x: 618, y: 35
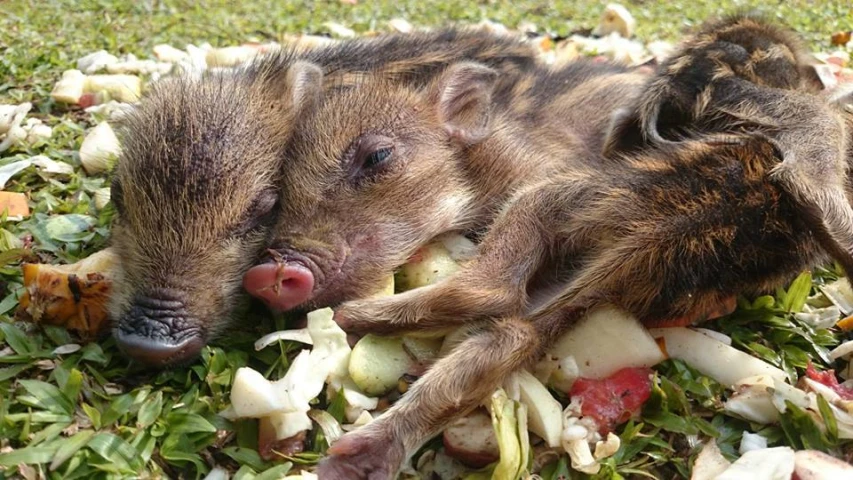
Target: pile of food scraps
x: 766, y: 392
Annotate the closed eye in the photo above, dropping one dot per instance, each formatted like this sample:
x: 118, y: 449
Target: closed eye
x: 260, y: 213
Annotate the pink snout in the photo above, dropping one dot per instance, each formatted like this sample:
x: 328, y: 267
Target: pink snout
x: 282, y: 286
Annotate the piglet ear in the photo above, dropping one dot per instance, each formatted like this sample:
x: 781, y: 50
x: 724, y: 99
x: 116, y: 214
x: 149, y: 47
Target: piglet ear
x: 304, y: 83
x: 463, y: 95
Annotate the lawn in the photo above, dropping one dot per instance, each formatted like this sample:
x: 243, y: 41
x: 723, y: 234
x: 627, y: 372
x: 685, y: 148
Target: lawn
x: 82, y: 410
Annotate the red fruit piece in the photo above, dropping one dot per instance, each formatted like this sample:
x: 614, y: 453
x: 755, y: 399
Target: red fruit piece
x: 615, y: 399
x: 827, y: 377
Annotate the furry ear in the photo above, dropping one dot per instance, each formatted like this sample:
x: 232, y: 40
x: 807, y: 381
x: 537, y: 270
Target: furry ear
x: 623, y: 133
x: 304, y: 83
x: 463, y: 96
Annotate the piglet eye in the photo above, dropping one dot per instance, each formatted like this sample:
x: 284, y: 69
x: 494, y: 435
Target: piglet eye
x: 261, y: 212
x: 378, y: 157
x: 370, y: 156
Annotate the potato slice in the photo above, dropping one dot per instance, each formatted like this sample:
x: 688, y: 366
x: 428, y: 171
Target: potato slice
x: 377, y: 363
x: 606, y: 340
x: 74, y: 296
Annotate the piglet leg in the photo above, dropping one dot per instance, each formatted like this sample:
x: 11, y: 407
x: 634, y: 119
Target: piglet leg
x: 493, y: 284
x: 456, y: 384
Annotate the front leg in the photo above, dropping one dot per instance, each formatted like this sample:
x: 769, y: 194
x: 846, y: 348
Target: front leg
x: 455, y: 385
x: 494, y: 283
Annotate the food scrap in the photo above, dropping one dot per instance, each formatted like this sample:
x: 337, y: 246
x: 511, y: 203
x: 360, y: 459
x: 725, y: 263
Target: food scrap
x: 74, y: 296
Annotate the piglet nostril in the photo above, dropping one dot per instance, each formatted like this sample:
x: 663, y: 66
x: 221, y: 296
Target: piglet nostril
x: 282, y: 286
x: 157, y: 329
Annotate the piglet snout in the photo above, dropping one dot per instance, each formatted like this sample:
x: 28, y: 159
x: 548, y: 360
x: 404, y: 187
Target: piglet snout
x: 281, y: 285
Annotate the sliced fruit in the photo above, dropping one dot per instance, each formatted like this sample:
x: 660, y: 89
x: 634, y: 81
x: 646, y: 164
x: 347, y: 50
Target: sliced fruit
x: 74, y: 296
x: 377, y: 363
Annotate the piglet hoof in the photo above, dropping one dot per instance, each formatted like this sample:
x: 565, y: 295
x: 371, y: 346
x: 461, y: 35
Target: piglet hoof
x: 356, y: 456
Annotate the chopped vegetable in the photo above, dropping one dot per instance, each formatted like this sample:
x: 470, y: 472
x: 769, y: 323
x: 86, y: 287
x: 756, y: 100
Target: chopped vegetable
x: 611, y: 330
x: 74, y: 296
x: 70, y: 87
x: 544, y: 413
x: 816, y: 465
x: 765, y: 464
x: 471, y: 440
x: 286, y: 401
x: 428, y: 265
x: 123, y: 88
x: 377, y: 363
x: 709, y: 463
x: 840, y: 294
x: 719, y: 361
x: 99, y: 149
x: 751, y: 441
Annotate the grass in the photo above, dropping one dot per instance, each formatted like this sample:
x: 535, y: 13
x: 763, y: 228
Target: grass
x: 84, y: 411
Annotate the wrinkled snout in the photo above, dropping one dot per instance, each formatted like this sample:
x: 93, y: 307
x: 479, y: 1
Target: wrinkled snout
x: 281, y: 285
x: 156, y: 330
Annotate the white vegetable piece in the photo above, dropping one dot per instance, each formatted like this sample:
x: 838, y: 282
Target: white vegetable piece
x: 544, y: 412
x: 753, y: 400
x: 170, y: 54
x: 841, y: 351
x: 565, y: 375
x: 607, y: 340
x: 70, y: 87
x: 709, y: 463
x: 11, y: 118
x: 285, y: 400
x: 458, y: 246
x: 815, y: 465
x: 840, y: 294
x: 123, y: 88
x: 808, y: 402
x: 400, y: 25
x: 48, y: 165
x: 99, y: 148
x: 607, y: 448
x: 338, y: 30
x: 766, y: 464
x: 230, y: 56
x: 300, y: 335
x: 751, y: 441
x: 719, y: 361
x: 36, y: 130
x: 218, y: 473
x: 93, y: 62
x: 102, y: 197
x: 288, y: 424
x: 616, y: 18
x: 578, y: 432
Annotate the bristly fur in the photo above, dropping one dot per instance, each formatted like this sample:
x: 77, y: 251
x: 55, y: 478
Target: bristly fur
x: 727, y: 174
x: 202, y: 155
